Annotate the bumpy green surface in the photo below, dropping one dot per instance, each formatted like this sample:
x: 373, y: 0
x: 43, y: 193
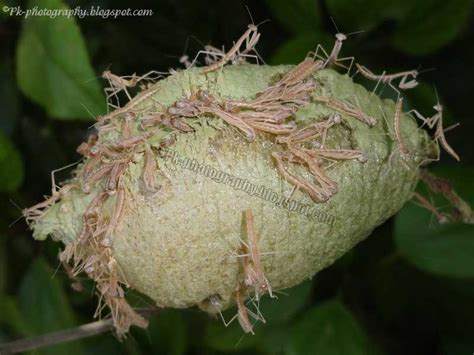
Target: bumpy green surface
x: 179, y: 245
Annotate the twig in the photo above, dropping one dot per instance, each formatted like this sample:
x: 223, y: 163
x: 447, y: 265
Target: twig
x: 61, y: 336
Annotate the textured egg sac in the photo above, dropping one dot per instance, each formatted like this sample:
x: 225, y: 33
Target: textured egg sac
x: 209, y: 188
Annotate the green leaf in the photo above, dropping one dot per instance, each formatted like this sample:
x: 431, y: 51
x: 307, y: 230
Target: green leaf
x: 298, y: 16
x: 442, y: 250
x: 167, y: 333
x: 12, y: 317
x: 282, y: 309
x: 8, y: 98
x: 11, y: 166
x: 328, y: 329
x: 375, y: 12
x: 439, y: 249
x: 274, y: 340
x: 53, y: 67
x: 296, y: 49
x: 105, y: 344
x: 431, y: 24
x: 231, y: 338
x: 45, y: 307
x: 432, y: 305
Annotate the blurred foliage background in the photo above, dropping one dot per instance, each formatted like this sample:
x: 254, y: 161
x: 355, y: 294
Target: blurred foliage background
x: 407, y: 289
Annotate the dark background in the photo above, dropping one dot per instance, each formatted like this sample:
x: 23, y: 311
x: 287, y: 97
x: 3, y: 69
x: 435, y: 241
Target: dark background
x: 407, y: 289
